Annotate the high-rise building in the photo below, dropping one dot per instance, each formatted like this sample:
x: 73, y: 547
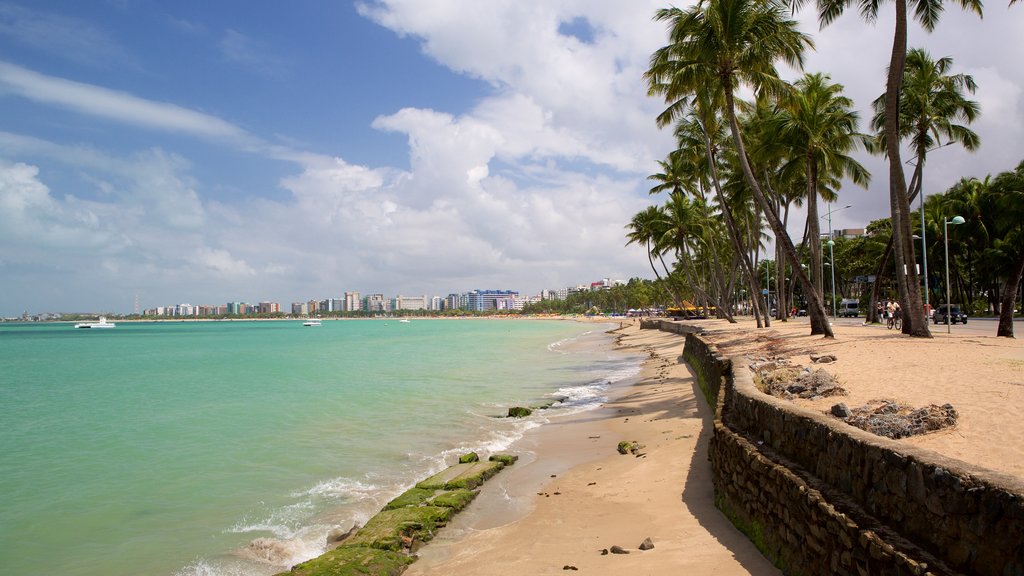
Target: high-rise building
x: 375, y: 303
x: 409, y: 303
x: 352, y: 302
x: 482, y: 300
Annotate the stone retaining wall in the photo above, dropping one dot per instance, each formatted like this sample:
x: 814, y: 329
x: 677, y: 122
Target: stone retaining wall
x: 818, y: 496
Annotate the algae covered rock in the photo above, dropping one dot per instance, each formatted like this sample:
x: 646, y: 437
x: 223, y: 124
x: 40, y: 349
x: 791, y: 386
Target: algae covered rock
x: 627, y: 447
x: 400, y: 528
x: 479, y: 473
x: 411, y: 497
x: 467, y: 458
x: 466, y: 476
x: 519, y: 412
x: 506, y: 459
x: 454, y: 499
x: 353, y: 561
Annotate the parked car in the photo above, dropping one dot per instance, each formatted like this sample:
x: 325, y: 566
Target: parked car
x: 955, y: 315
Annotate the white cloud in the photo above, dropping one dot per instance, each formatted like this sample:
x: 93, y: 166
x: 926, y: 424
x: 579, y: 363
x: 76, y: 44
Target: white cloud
x: 554, y: 94
x: 114, y: 105
x: 222, y: 262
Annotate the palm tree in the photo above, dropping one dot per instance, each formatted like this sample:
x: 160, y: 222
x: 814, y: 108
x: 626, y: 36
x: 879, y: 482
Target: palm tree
x: 720, y: 45
x: 644, y: 227
x: 927, y: 13
x: 931, y: 104
x: 818, y: 125
x: 1009, y: 187
x: 704, y: 124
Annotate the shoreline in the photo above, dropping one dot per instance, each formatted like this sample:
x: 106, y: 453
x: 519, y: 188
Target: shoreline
x: 566, y: 519
x: 572, y: 496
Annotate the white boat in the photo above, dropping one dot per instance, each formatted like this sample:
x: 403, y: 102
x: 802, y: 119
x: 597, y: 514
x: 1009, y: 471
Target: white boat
x: 101, y: 324
x: 404, y: 321
x: 311, y: 322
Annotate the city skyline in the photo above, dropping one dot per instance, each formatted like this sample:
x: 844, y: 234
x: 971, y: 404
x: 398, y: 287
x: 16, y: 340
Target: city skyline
x: 232, y: 150
x: 336, y: 304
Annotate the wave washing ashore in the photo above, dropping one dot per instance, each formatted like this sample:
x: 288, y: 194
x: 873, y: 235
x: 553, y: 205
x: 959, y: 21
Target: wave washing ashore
x: 220, y: 448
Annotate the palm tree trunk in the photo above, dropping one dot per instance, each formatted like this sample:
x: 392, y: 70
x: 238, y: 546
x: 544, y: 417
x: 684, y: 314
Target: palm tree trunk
x: 1009, y: 299
x: 814, y: 229
x: 667, y: 280
x: 914, y: 322
x: 819, y: 323
x: 730, y: 225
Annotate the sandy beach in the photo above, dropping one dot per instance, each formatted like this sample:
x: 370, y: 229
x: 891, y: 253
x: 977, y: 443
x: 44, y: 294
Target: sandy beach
x: 573, y: 496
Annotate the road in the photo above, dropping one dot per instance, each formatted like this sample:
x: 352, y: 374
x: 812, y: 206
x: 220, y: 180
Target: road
x: 974, y: 326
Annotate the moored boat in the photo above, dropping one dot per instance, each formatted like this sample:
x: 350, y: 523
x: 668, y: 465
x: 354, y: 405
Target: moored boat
x: 101, y: 324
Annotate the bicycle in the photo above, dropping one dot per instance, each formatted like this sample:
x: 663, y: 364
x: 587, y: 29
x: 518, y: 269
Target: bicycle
x: 894, y: 321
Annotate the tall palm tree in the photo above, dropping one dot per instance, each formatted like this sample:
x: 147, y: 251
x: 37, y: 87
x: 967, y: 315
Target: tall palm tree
x: 644, y: 228
x: 1009, y: 186
x: 704, y: 122
x: 934, y: 112
x: 818, y: 125
x: 926, y: 12
x: 721, y: 45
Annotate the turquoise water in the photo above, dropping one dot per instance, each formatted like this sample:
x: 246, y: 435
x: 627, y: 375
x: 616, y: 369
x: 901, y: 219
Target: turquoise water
x: 222, y: 448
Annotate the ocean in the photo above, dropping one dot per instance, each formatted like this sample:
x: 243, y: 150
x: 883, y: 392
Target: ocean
x: 234, y: 448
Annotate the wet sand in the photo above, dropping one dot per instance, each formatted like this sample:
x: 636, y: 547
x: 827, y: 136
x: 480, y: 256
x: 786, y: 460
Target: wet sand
x: 572, y: 496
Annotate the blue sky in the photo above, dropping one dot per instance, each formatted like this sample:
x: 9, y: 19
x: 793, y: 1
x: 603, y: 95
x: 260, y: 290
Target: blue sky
x: 205, y: 152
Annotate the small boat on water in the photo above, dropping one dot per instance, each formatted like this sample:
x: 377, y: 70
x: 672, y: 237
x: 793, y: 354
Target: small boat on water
x: 311, y: 322
x: 404, y: 321
x: 101, y: 324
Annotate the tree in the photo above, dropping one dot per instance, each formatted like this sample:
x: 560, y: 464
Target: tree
x: 720, y: 45
x: 1009, y: 188
x: 643, y: 228
x: 927, y: 13
x: 818, y: 125
x: 705, y: 125
x: 932, y: 102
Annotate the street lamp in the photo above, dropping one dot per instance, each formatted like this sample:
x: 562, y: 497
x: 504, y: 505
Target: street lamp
x: 924, y: 259
x: 831, y: 257
x: 956, y: 221
x: 832, y: 268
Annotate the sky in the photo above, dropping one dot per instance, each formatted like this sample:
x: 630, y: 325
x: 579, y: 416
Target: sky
x: 206, y: 152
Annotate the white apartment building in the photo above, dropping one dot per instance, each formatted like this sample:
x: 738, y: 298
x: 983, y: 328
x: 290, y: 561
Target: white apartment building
x: 352, y: 302
x: 409, y: 303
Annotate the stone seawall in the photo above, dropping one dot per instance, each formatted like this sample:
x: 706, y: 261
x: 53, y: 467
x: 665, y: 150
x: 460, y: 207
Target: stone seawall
x: 818, y: 496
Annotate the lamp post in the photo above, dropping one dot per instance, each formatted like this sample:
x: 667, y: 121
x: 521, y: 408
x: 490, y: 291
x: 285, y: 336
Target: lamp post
x: 831, y: 257
x: 924, y: 260
x: 957, y: 220
x: 832, y: 269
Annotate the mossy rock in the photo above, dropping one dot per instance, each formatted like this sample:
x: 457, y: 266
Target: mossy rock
x: 438, y: 481
x: 412, y: 497
x: 467, y: 458
x: 467, y: 476
x: 506, y: 459
x: 387, y: 529
x: 625, y: 447
x: 477, y: 474
x: 353, y: 561
x: 519, y: 412
x: 454, y: 499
